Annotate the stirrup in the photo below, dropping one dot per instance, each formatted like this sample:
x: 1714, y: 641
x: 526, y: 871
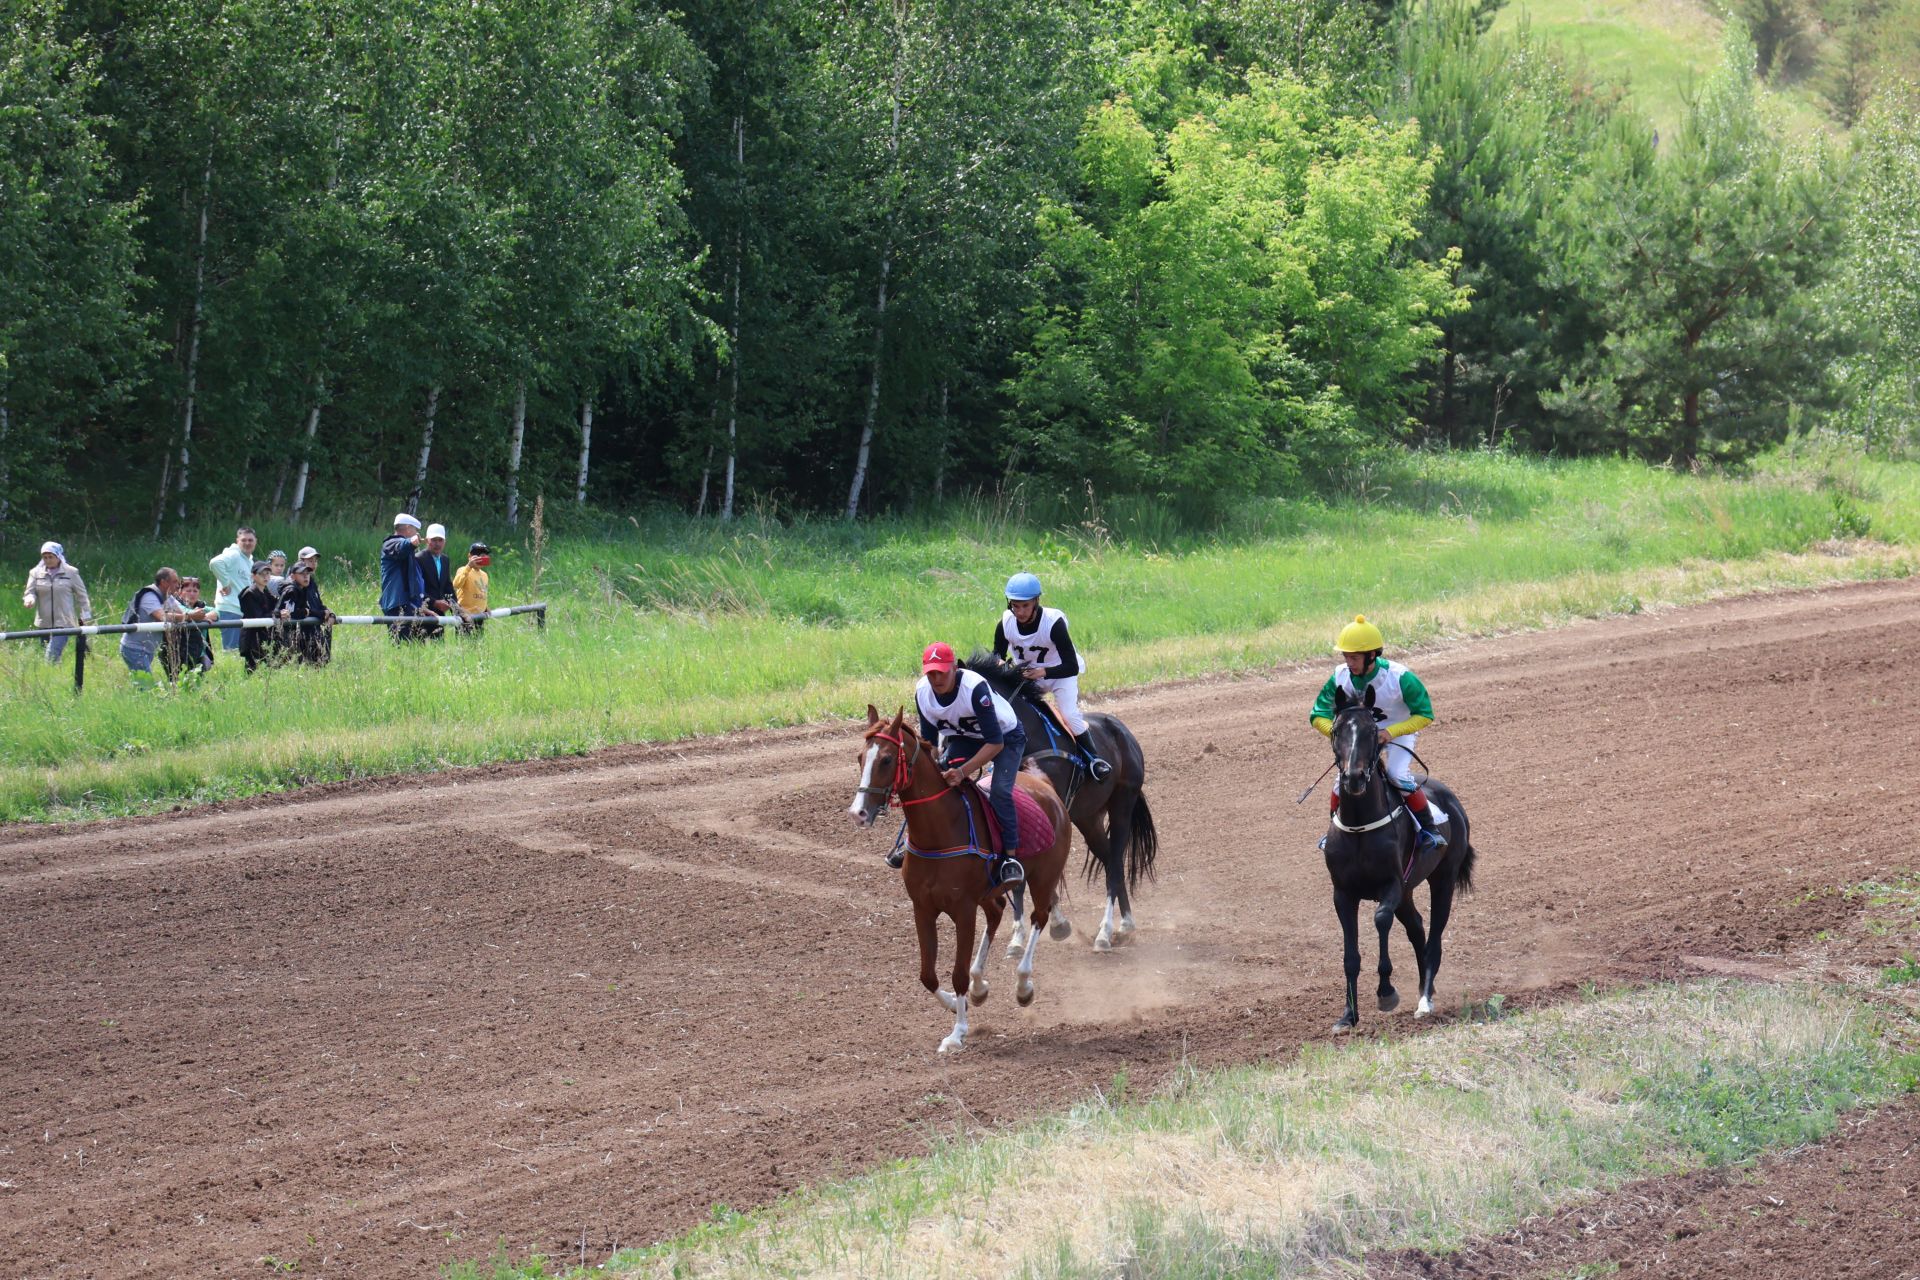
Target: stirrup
x: 1006, y: 872
x: 1099, y: 768
x: 897, y: 859
x: 1428, y: 840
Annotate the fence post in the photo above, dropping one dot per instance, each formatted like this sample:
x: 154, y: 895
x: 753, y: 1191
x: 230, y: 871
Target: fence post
x: 79, y: 664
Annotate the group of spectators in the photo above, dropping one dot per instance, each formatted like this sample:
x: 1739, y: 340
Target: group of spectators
x: 417, y: 579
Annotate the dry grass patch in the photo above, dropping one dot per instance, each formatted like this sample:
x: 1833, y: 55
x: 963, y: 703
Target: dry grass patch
x: 1301, y: 1169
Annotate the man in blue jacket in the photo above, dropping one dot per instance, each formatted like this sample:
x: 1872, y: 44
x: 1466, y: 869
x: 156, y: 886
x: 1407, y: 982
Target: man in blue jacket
x: 401, y: 588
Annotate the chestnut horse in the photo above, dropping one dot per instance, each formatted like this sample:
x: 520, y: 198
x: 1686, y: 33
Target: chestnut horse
x: 945, y: 872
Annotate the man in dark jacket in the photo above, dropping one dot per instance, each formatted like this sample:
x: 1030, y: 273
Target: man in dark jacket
x: 436, y: 577
x: 402, y: 593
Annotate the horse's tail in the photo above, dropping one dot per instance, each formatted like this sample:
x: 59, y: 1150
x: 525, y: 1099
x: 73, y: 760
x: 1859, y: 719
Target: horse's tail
x: 1464, y: 877
x: 1144, y: 846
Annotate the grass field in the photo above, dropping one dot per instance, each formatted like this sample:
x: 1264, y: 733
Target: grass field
x: 668, y: 627
x: 1658, y: 50
x: 1299, y: 1170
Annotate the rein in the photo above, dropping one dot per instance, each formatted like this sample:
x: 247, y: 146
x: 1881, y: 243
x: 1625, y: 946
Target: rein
x: 902, y: 778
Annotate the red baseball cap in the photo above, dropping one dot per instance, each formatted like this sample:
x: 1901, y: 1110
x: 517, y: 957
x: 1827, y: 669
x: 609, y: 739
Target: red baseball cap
x: 938, y: 656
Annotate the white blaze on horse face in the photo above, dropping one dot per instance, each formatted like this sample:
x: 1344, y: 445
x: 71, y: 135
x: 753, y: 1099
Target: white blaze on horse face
x: 861, y: 808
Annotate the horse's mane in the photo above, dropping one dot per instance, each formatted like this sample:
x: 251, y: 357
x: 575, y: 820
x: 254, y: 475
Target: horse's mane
x: 1001, y: 674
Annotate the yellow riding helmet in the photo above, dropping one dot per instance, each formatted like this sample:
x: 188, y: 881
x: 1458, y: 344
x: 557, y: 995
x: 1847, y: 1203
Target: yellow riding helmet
x: 1359, y: 636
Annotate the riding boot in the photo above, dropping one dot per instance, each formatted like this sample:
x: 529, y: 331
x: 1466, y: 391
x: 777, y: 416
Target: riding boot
x: 1099, y: 768
x: 1427, y: 835
x: 1005, y: 871
x: 897, y: 858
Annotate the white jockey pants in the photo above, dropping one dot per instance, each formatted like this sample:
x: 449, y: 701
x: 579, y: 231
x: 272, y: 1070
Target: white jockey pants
x: 1398, y: 758
x: 1066, y: 696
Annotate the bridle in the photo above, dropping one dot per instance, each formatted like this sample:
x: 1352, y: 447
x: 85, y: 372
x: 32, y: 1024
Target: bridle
x: 902, y: 774
x: 1373, y: 762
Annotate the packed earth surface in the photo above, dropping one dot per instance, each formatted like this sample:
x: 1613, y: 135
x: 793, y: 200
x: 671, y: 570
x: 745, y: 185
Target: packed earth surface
x: 572, y: 1005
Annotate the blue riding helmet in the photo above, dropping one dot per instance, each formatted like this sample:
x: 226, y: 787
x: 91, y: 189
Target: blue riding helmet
x: 1023, y: 586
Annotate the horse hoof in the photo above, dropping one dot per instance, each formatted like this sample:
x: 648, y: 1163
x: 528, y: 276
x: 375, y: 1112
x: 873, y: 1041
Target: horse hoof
x: 1060, y: 929
x: 953, y: 1044
x: 1023, y: 994
x: 1389, y: 1002
x: 978, y: 991
x: 1102, y: 942
x: 1424, y: 1008
x: 1345, y: 1025
x: 1124, y: 933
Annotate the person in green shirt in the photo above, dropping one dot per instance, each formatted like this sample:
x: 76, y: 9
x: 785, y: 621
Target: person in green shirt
x: 1401, y: 707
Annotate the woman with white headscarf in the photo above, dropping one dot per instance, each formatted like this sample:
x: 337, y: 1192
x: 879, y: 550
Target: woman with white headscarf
x: 57, y: 596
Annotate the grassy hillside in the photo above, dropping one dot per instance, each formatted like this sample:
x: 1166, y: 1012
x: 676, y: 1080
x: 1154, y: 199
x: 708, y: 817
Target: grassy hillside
x: 1657, y: 50
x: 674, y: 627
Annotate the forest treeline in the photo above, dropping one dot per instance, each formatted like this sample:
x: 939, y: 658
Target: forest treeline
x: 259, y: 256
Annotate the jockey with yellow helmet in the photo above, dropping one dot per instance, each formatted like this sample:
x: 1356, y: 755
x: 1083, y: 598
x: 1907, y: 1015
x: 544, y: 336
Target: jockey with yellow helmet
x: 1400, y: 706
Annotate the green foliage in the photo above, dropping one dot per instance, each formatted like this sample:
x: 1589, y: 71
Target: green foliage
x: 1705, y: 259
x: 70, y: 338
x: 1231, y: 293
x: 267, y: 258
x: 1879, y: 289
x: 1511, y: 130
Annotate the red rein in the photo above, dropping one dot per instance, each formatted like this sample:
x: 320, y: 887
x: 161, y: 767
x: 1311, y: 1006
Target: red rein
x: 902, y: 774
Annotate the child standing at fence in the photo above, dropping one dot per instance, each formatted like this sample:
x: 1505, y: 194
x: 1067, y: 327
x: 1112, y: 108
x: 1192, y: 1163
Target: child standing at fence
x: 258, y: 644
x: 470, y: 585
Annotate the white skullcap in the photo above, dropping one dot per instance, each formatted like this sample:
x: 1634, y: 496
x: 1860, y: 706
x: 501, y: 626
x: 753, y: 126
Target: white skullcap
x: 407, y: 520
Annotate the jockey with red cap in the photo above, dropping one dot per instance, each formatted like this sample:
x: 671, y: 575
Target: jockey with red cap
x: 972, y: 725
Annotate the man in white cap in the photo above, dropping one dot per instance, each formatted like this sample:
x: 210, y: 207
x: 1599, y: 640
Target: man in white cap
x: 436, y: 576
x: 401, y: 591
x: 309, y: 557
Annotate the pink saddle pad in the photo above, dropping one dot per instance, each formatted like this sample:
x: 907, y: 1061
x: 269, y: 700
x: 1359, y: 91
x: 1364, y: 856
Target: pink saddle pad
x: 1036, y: 828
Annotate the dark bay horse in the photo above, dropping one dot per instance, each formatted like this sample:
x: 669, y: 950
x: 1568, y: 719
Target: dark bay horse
x: 944, y: 873
x: 1370, y: 855
x: 1112, y: 816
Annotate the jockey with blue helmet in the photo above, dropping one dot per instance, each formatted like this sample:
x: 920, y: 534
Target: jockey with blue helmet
x: 1037, y: 637
x: 1400, y: 706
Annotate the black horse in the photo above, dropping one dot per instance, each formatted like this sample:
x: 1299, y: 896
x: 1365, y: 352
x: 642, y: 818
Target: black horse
x: 1112, y: 816
x: 1370, y: 854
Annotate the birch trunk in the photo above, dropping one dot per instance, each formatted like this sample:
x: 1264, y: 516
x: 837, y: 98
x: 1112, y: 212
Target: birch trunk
x: 586, y: 450
x: 306, y: 450
x: 733, y: 332
x: 513, y: 453
x: 426, y: 451
x: 879, y: 332
x: 193, y: 339
x: 940, y: 457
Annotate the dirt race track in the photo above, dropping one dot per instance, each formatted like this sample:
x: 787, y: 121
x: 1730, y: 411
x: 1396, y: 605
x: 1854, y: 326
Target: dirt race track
x: 374, y: 1028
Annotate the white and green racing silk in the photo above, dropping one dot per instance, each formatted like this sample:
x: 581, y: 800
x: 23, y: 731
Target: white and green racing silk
x: 1397, y: 693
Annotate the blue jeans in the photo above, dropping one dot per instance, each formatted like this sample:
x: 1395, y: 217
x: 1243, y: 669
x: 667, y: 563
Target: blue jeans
x: 1006, y: 766
x: 137, y: 659
x: 229, y: 636
x: 56, y: 645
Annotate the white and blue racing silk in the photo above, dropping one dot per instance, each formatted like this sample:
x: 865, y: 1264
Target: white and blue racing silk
x: 1046, y: 644
x: 973, y: 710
